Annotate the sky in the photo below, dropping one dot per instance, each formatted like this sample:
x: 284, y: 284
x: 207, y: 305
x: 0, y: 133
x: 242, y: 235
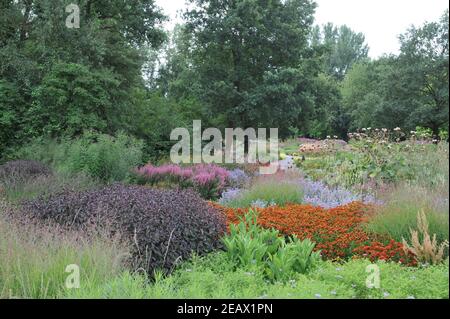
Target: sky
x: 381, y: 21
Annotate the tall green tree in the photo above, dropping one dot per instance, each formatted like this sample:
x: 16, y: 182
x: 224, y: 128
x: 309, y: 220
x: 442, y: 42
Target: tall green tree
x: 70, y: 79
x: 424, y: 60
x: 343, y: 48
x: 248, y: 57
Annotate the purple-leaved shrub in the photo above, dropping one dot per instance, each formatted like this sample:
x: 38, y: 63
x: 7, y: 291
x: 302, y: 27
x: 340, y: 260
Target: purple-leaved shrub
x: 163, y: 226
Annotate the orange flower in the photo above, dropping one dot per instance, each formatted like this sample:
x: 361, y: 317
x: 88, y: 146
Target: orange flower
x: 337, y: 232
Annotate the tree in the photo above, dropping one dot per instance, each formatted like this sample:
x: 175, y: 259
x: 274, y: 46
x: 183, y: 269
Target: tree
x: 74, y: 79
x: 424, y: 59
x: 241, y: 49
x: 344, y: 47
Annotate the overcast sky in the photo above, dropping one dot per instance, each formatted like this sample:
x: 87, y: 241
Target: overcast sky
x: 380, y: 20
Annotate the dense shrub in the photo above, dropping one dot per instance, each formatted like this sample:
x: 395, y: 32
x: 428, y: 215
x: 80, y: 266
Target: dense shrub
x: 164, y: 226
x: 22, y: 170
x: 104, y: 157
x: 207, y: 179
x: 46, y: 150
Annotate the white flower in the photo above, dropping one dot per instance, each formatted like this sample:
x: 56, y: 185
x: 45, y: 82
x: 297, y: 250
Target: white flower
x: 397, y: 129
x: 386, y: 294
x: 318, y: 296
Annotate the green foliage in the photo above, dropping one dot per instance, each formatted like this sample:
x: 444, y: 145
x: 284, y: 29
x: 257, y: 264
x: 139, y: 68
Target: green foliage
x: 268, y: 191
x: 249, y: 61
x: 104, y: 157
x: 99, y: 156
x: 45, y: 150
x: 249, y: 246
x: 11, y: 109
x: 344, y: 47
x: 214, y: 277
x: 405, y: 91
x: 72, y: 98
x: 57, y: 81
x: 379, y: 160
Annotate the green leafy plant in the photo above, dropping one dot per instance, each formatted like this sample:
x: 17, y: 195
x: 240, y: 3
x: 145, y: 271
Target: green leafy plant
x: 250, y: 246
x: 104, y: 157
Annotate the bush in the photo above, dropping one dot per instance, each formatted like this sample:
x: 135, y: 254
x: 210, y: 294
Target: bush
x: 164, y: 226
x: 104, y: 157
x: 208, y: 180
x: 48, y: 151
x: 250, y: 246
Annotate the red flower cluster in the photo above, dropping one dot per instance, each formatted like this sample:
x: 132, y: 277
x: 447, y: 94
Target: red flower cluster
x: 337, y: 232
x: 393, y: 251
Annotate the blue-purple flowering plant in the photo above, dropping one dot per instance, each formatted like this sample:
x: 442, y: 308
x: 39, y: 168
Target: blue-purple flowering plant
x: 318, y: 194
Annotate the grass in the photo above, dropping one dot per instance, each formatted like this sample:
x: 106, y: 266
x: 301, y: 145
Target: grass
x: 44, y: 185
x: 214, y: 277
x: 34, y: 259
x: 399, y: 213
x: 269, y: 190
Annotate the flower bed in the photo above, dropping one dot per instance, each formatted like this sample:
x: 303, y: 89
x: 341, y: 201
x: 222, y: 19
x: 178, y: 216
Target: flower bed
x: 338, y: 231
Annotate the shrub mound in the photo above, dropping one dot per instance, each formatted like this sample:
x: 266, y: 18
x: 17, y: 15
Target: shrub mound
x: 22, y: 170
x: 163, y: 226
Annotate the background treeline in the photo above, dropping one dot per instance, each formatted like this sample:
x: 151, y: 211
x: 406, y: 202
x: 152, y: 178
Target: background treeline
x: 233, y: 63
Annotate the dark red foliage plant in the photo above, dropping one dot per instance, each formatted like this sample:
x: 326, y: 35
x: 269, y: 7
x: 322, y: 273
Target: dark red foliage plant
x: 163, y: 227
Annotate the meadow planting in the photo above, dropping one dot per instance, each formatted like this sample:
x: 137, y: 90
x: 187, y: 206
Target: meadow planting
x: 159, y: 230
x: 246, y: 149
